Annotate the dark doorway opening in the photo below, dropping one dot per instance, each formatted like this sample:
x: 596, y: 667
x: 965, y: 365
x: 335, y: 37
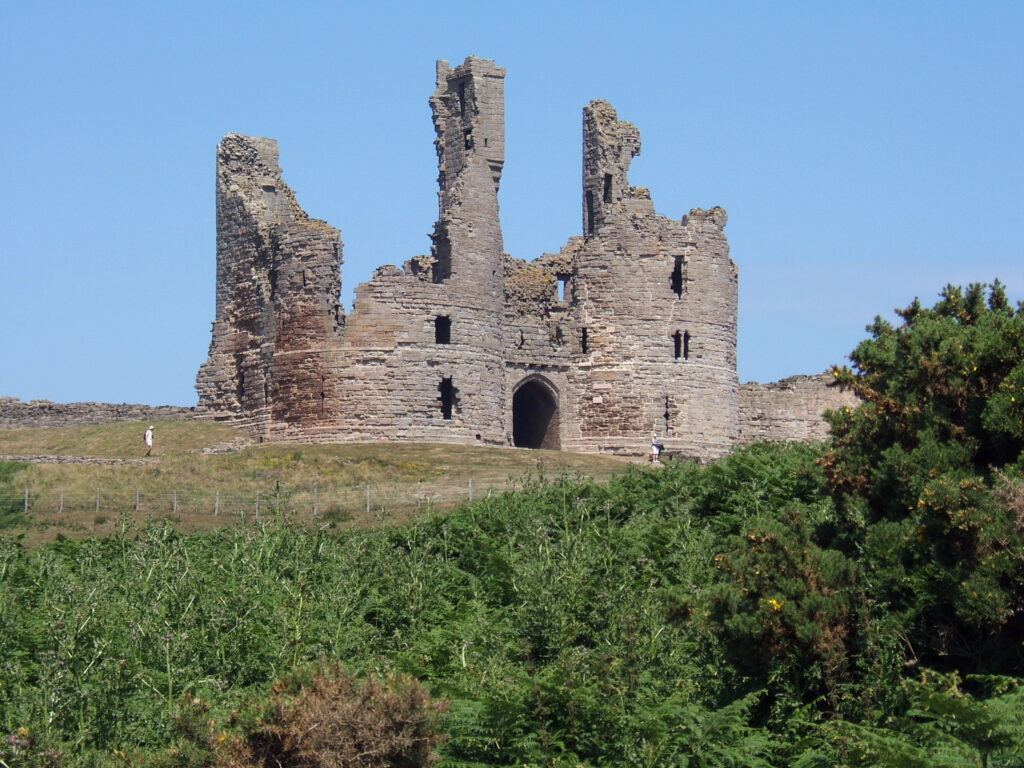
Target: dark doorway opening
x: 535, y: 417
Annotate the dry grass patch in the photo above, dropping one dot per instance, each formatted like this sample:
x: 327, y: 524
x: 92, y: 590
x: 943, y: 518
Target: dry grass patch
x: 344, y: 485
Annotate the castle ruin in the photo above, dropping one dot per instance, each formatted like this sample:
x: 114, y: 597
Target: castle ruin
x: 630, y: 328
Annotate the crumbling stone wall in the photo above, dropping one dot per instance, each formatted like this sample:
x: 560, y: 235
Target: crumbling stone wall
x: 15, y: 413
x: 278, y: 281
x: 790, y: 409
x: 630, y: 327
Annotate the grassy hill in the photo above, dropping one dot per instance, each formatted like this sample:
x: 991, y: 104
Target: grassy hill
x: 348, y: 484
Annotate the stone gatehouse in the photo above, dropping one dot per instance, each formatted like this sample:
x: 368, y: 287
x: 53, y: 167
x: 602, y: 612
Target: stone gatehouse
x: 630, y: 328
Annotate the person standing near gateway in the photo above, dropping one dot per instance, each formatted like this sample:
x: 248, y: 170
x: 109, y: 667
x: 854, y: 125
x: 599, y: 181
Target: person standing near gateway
x: 148, y: 440
x: 655, y: 447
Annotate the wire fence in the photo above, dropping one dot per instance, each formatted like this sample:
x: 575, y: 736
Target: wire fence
x: 344, y: 503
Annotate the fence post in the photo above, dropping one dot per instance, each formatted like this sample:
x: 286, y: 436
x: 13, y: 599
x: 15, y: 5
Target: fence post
x: 26, y: 499
x: 136, y: 499
x: 316, y: 499
x: 216, y: 504
x: 97, y: 501
x: 61, y: 510
x: 471, y: 489
x: 367, y: 499
x: 174, y: 501
x: 257, y: 505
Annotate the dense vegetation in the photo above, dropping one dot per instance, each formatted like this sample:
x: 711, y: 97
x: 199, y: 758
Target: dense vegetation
x: 852, y: 604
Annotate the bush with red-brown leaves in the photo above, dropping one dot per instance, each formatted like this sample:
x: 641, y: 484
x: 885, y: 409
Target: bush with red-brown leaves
x: 335, y: 720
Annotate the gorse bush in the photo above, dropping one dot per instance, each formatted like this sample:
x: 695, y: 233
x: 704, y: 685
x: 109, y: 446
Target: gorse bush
x: 921, y: 473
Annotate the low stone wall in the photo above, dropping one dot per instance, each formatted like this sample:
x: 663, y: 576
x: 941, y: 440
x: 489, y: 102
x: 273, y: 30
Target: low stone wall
x: 47, y: 459
x: 15, y: 412
x: 790, y: 409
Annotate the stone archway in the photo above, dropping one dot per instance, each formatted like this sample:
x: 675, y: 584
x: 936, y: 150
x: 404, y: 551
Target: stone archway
x: 535, y: 415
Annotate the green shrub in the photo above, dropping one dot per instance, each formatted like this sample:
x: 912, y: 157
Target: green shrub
x: 919, y: 473
x: 12, y: 500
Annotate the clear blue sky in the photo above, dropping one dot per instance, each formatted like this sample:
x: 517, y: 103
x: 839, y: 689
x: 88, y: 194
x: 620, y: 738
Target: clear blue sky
x: 867, y: 153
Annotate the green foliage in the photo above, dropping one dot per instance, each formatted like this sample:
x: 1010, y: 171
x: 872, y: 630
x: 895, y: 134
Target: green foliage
x: 11, y: 500
x: 913, y: 472
x: 541, y: 616
x: 784, y: 608
x: 938, y: 724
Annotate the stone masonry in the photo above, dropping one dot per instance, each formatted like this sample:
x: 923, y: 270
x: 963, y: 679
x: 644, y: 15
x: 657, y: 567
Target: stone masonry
x: 16, y: 413
x: 630, y: 328
x: 790, y: 409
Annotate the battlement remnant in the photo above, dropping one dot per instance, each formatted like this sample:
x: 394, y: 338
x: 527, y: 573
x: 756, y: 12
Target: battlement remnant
x: 630, y: 328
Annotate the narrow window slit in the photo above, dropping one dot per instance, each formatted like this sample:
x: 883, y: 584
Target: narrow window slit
x: 448, y: 397
x: 607, y: 187
x: 272, y: 280
x: 442, y: 330
x: 590, y: 212
x: 677, y: 277
x: 583, y: 340
x: 677, y: 344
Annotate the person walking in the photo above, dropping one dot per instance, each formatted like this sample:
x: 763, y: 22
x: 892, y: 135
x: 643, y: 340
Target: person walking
x: 148, y: 440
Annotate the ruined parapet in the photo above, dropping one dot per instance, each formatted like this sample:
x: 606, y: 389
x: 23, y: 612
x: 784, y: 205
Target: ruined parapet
x: 609, y: 146
x: 790, y: 409
x: 278, y: 283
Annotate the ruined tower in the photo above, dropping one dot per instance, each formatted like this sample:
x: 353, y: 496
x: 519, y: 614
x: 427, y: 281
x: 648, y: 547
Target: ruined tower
x: 658, y: 301
x: 630, y: 327
x: 278, y: 280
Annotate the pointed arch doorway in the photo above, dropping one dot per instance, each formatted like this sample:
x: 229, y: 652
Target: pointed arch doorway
x: 535, y: 415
